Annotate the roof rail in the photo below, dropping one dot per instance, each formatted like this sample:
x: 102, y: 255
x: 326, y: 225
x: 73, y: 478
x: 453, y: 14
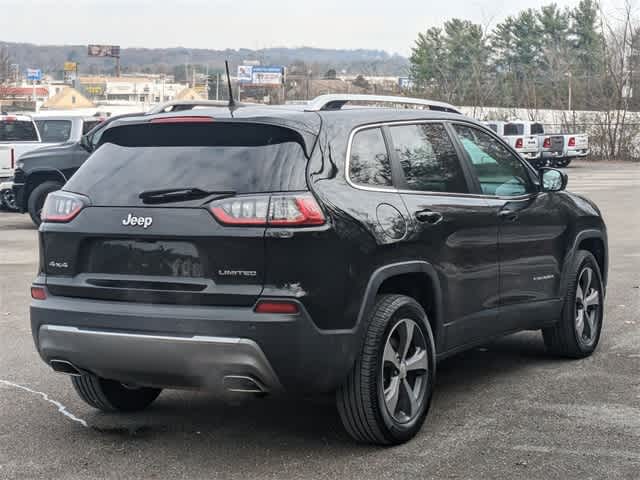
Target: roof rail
x: 338, y: 100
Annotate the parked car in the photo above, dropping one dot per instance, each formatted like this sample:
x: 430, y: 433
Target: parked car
x: 308, y: 249
x: 45, y: 170
x: 576, y: 146
x: 557, y: 150
x: 527, y: 144
x: 20, y: 134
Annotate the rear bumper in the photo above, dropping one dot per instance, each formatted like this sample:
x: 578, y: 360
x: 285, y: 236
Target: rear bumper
x: 159, y: 360
x: 578, y: 153
x: 178, y: 346
x: 530, y: 155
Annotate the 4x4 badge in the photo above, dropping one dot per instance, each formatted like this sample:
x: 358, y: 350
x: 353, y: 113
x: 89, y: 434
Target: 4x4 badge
x: 133, y: 221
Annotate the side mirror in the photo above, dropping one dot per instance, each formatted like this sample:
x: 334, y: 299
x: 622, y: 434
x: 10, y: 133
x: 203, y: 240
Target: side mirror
x: 552, y: 180
x: 86, y: 144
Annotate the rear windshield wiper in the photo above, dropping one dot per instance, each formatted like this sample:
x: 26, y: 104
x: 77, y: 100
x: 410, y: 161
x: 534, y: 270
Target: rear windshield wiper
x: 181, y: 194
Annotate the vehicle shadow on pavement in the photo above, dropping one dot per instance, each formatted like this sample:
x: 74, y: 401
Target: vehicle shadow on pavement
x: 293, y: 423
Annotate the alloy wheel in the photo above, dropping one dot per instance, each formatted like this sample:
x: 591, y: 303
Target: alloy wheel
x: 587, y: 307
x: 405, y: 365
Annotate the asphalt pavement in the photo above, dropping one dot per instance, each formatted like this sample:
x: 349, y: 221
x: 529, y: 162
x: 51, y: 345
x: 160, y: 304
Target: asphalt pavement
x: 507, y: 410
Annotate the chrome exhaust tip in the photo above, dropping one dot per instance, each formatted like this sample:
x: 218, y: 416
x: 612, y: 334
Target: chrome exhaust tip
x: 243, y: 384
x: 68, y: 368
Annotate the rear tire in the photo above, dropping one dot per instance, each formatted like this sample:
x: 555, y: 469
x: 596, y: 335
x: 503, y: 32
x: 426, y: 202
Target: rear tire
x: 386, y: 397
x: 112, y: 396
x: 561, y: 162
x: 38, y: 196
x: 577, y: 333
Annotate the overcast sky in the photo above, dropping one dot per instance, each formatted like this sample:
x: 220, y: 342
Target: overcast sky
x: 391, y: 25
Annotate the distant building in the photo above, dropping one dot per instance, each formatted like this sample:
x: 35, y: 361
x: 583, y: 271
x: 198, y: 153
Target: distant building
x: 67, y: 99
x: 188, y: 94
x: 141, y: 89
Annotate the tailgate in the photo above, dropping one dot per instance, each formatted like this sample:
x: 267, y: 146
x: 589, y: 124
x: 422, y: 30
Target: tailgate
x: 183, y: 257
x: 7, y: 160
x: 530, y: 144
x: 582, y: 142
x: 553, y: 143
x: 133, y: 241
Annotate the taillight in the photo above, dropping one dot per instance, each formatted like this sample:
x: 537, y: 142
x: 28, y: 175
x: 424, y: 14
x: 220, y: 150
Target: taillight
x: 38, y: 293
x: 241, y: 211
x: 572, y: 141
x: 277, y: 306
x: 295, y: 210
x: 520, y: 143
x: 61, y: 207
x: 547, y: 142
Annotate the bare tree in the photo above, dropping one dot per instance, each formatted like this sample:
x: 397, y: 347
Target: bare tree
x: 620, y: 46
x: 5, y: 64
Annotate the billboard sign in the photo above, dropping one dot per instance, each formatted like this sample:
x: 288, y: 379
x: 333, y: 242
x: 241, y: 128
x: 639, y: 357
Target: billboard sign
x: 34, y: 74
x: 245, y: 74
x: 267, y: 76
x: 94, y: 89
x: 104, y: 51
x: 405, y: 83
x: 70, y: 66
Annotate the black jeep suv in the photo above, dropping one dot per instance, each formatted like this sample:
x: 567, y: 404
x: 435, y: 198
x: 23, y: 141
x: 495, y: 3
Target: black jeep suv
x: 308, y: 249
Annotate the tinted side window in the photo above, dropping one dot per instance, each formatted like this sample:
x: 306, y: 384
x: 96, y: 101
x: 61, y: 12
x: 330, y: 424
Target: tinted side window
x: 369, y: 161
x: 54, y: 131
x: 428, y: 158
x: 498, y: 170
x: 493, y: 127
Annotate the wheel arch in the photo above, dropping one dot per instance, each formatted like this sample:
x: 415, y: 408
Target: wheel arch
x: 39, y: 176
x: 595, y: 242
x: 417, y: 279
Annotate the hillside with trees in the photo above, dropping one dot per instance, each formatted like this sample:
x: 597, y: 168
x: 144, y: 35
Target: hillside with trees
x: 172, y: 60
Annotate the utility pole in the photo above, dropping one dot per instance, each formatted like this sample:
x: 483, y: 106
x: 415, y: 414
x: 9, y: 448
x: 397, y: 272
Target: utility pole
x: 570, y: 101
x: 218, y: 86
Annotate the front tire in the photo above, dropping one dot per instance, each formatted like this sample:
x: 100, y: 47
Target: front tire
x: 112, y: 396
x: 37, y: 197
x: 386, y: 397
x: 577, y: 334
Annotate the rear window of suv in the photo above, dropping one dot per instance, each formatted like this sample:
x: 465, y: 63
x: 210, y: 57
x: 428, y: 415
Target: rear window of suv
x: 54, y: 131
x: 241, y: 157
x: 514, y: 129
x: 17, y: 131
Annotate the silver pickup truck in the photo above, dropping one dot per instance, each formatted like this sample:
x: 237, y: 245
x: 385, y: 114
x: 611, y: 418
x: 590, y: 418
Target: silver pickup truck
x: 554, y: 149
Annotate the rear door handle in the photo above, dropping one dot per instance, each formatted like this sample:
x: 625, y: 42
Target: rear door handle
x: 427, y: 216
x: 508, y: 215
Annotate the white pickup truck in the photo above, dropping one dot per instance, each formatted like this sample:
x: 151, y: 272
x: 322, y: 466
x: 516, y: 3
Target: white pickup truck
x: 555, y: 149
x: 525, y: 143
x: 18, y: 135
